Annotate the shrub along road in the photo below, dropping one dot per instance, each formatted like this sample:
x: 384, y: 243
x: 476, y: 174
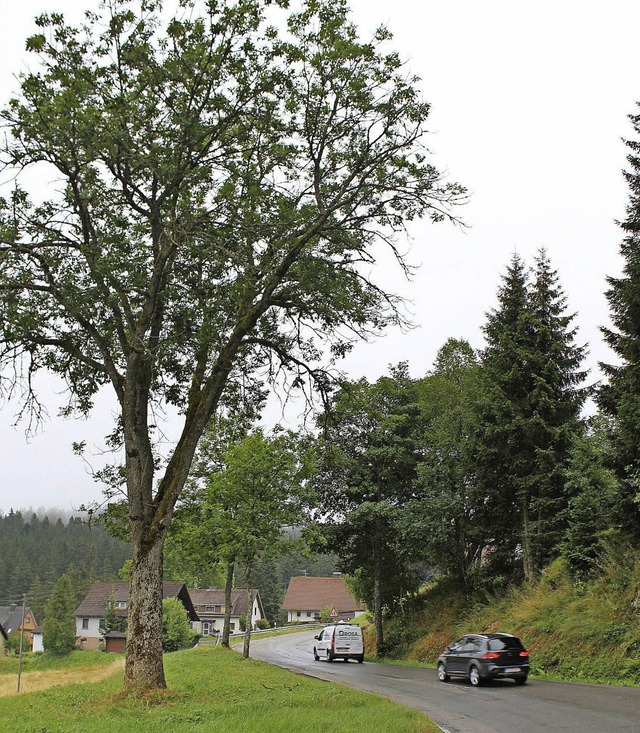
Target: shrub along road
x: 501, y: 707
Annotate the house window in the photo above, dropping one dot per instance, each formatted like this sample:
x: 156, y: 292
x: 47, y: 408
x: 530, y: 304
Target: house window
x: 85, y: 623
x: 120, y: 604
x: 299, y: 614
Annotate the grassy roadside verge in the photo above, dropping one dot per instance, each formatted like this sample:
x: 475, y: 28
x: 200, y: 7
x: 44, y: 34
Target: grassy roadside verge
x: 575, y: 632
x: 212, y: 689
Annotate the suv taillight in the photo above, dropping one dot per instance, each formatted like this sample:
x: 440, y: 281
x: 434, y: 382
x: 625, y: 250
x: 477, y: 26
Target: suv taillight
x: 524, y: 654
x: 491, y: 655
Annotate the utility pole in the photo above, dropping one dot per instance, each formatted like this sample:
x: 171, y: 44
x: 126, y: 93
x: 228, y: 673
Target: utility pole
x: 24, y: 602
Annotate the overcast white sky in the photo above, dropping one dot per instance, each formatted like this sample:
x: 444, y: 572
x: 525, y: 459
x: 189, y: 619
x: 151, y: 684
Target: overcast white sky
x: 529, y: 106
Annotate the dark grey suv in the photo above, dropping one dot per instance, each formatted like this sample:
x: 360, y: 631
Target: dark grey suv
x: 483, y: 657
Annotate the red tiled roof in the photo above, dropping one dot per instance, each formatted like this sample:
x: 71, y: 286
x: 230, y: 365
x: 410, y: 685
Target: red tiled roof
x: 315, y: 594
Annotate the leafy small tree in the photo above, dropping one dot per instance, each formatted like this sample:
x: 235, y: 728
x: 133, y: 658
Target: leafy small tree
x: 325, y: 614
x: 12, y: 644
x: 242, y: 622
x: 447, y: 512
x: 176, y: 632
x: 260, y: 492
x: 368, y: 455
x: 111, y: 621
x: 59, y: 626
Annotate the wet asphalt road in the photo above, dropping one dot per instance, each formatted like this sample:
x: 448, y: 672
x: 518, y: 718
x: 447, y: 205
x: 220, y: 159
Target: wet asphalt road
x: 501, y: 707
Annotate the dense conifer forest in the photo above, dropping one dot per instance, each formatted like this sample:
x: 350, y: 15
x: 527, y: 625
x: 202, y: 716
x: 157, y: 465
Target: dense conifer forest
x: 35, y: 551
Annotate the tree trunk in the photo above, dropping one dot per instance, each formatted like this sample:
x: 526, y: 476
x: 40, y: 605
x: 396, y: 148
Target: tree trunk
x: 377, y: 597
x: 247, y: 633
x: 527, y: 559
x: 143, y: 668
x: 226, y: 629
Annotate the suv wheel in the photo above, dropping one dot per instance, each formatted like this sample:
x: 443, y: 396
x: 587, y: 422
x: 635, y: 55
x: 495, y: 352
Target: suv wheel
x: 442, y: 673
x: 474, y: 676
x: 315, y: 655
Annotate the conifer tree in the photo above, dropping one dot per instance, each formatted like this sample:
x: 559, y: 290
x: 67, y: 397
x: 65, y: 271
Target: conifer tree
x: 554, y: 408
x: 529, y: 413
x: 111, y: 621
x: 499, y: 442
x: 59, y: 626
x: 592, y: 487
x: 620, y: 397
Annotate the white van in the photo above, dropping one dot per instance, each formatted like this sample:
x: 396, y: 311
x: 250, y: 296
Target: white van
x: 339, y: 641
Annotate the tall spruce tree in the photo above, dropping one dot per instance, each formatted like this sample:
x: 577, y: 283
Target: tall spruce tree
x: 59, y: 626
x: 499, y: 440
x: 593, y: 489
x: 555, y: 403
x: 529, y: 413
x: 620, y: 397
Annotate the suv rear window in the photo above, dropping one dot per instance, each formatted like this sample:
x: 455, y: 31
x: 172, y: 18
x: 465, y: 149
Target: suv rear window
x: 509, y: 642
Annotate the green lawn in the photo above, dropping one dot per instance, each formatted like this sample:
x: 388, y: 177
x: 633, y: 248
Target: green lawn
x: 212, y: 689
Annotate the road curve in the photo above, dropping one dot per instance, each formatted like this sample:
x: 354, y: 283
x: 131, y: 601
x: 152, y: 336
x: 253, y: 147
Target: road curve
x: 501, y: 707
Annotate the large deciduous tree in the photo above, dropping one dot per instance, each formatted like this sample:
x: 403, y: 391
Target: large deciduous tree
x: 215, y: 189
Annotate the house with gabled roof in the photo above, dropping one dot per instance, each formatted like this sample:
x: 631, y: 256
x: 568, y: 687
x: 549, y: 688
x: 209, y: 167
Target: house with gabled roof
x: 307, y: 597
x: 11, y: 620
x: 92, y: 609
x: 210, y: 607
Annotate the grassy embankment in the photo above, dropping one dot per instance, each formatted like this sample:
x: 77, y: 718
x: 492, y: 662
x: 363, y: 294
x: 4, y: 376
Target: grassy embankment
x: 588, y: 632
x: 210, y: 689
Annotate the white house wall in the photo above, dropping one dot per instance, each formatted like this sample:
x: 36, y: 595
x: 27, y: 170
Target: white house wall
x: 216, y: 625
x: 38, y: 646
x: 293, y: 616
x: 91, y: 633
